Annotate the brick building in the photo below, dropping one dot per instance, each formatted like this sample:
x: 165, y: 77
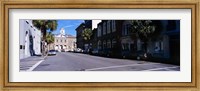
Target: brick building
x: 115, y: 39
x: 79, y: 38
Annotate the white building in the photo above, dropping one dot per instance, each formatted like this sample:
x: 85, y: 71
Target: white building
x: 29, y: 39
x: 63, y: 42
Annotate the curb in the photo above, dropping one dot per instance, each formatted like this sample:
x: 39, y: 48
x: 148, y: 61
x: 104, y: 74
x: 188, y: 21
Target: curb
x: 35, y: 65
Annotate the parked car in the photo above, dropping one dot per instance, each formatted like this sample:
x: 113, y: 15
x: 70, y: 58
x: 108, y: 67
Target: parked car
x: 69, y: 51
x: 85, y: 51
x: 52, y: 52
x: 95, y: 52
x: 78, y: 50
x: 107, y: 52
x: 100, y: 53
x: 138, y: 55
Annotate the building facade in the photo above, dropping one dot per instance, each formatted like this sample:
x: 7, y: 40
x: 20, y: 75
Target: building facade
x: 115, y: 38
x: 63, y: 42
x: 79, y: 38
x: 108, y: 35
x: 88, y: 23
x: 81, y: 43
x: 29, y: 39
x: 94, y: 39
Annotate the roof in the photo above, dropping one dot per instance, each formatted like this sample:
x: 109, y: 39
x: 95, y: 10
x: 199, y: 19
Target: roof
x: 82, y: 24
x: 66, y: 35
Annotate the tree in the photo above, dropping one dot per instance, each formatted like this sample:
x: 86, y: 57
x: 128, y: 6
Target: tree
x: 87, y: 33
x: 49, y: 38
x: 45, y: 25
x: 145, y: 30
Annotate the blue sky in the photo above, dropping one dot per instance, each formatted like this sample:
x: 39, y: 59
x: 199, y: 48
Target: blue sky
x: 68, y: 25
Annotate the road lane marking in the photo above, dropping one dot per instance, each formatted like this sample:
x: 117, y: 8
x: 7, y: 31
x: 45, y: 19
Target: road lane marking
x: 154, y: 69
x: 118, y: 66
x: 35, y: 65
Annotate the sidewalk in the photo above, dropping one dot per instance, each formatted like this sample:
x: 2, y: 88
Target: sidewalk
x: 27, y: 64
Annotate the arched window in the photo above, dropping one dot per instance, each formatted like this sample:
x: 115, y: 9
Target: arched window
x: 108, y: 44
x: 99, y: 44
x: 113, y: 26
x: 104, y: 44
x: 126, y: 28
x: 99, y: 31
x: 114, y: 43
x: 108, y: 26
x: 104, y: 28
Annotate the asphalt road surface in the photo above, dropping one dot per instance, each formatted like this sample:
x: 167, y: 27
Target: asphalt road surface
x: 67, y: 61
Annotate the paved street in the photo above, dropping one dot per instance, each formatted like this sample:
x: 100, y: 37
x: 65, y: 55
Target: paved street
x: 66, y: 61
x: 99, y: 37
x: 27, y: 64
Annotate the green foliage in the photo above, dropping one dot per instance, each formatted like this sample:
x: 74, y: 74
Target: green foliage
x: 49, y: 38
x: 87, y: 33
x: 144, y: 29
x: 45, y: 25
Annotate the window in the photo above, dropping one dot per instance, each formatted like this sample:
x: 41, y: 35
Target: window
x: 99, y: 31
x: 123, y: 30
x: 61, y: 41
x: 113, y: 26
x: 108, y: 44
x: 161, y: 45
x: 126, y: 46
x: 65, y: 41
x: 126, y: 29
x: 158, y: 46
x: 56, y: 47
x: 99, y: 44
x: 27, y: 22
x: 114, y: 43
x: 21, y: 47
x: 56, y: 40
x: 26, y: 33
x: 108, y: 26
x: 104, y: 44
x: 74, y: 44
x: 104, y: 28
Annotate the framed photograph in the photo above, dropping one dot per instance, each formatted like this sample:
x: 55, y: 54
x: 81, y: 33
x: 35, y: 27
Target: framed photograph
x: 100, y: 45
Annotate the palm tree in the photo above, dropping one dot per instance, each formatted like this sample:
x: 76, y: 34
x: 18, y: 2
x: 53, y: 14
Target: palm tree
x: 145, y: 30
x: 49, y: 39
x: 45, y: 25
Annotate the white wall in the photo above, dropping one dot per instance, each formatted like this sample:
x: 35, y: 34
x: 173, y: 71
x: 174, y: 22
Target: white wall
x: 24, y: 39
x: 36, y: 39
x: 21, y: 38
x: 24, y: 52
